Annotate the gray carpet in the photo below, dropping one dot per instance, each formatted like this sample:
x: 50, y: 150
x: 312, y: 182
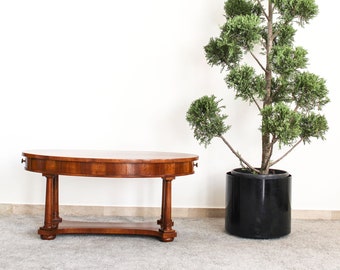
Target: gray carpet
x: 201, y: 244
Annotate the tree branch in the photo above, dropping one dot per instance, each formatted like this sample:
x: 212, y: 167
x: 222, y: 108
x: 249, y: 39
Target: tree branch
x: 285, y: 154
x: 275, y: 34
x: 258, y: 61
x: 264, y: 69
x: 238, y: 155
x: 256, y: 103
x: 263, y: 11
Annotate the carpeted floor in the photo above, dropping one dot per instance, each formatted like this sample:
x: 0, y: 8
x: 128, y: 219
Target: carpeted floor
x: 201, y: 244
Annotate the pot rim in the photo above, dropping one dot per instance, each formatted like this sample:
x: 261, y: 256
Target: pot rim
x: 276, y: 174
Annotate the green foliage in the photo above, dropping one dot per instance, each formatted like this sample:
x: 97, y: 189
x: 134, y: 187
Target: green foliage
x: 284, y: 34
x: 239, y: 33
x: 313, y: 125
x: 286, y: 60
x: 302, y: 10
x: 205, y: 117
x: 235, y: 8
x: 281, y: 122
x: 286, y: 95
x: 223, y: 52
x: 309, y: 91
x: 244, y: 30
x: 246, y: 83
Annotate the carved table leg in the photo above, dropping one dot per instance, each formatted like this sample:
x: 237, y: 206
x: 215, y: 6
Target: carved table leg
x: 166, y: 223
x: 160, y: 221
x: 56, y: 217
x: 48, y: 231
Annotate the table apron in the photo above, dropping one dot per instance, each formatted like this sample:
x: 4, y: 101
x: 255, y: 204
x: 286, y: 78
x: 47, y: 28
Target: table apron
x: 106, y: 169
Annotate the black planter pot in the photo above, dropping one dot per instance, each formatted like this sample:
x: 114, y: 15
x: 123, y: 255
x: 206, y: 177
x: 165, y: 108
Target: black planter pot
x: 258, y: 206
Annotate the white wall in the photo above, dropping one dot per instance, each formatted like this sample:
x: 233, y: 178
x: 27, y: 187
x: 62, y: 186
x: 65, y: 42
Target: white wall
x: 121, y: 75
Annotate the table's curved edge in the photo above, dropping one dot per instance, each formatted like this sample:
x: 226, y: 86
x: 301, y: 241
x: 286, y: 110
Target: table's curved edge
x: 102, y: 156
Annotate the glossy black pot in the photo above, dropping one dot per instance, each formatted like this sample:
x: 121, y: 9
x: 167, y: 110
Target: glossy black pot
x: 258, y: 206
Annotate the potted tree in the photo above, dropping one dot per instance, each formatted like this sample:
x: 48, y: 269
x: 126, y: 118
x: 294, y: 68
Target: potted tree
x: 288, y: 99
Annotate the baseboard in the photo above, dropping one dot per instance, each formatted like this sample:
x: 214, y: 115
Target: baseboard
x: 75, y: 210
x: 79, y: 210
x: 316, y: 214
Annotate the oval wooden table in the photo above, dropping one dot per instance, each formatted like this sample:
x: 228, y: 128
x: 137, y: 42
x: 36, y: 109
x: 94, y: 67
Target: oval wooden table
x: 115, y: 164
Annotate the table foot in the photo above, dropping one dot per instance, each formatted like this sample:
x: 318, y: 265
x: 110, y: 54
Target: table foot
x: 167, y: 236
x: 47, y: 234
x: 47, y: 237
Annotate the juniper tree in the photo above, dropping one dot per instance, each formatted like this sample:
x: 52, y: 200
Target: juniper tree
x: 288, y: 98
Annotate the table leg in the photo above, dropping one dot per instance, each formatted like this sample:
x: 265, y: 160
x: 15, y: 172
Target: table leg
x: 160, y: 221
x: 165, y: 222
x: 56, y: 217
x: 48, y: 231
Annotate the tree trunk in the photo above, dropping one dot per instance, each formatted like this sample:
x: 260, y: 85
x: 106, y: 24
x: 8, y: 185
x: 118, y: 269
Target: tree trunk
x: 266, y: 145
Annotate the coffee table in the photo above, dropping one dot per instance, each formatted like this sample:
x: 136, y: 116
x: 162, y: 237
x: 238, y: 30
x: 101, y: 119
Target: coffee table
x: 113, y: 164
